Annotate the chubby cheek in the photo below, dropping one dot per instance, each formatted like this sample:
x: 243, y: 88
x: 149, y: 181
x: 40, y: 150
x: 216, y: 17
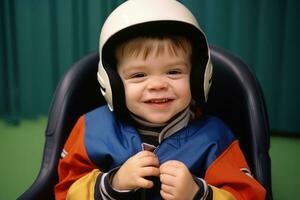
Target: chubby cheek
x: 187, y: 97
x: 132, y: 96
x: 183, y: 91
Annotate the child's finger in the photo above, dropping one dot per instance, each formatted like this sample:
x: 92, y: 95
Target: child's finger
x: 167, y: 188
x: 166, y: 196
x: 174, y: 163
x: 142, y: 154
x: 167, y: 179
x: 149, y: 161
x: 149, y: 171
x: 144, y: 183
x: 168, y: 169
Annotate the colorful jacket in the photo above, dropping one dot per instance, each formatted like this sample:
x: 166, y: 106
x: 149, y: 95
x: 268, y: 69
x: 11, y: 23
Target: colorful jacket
x: 99, y: 143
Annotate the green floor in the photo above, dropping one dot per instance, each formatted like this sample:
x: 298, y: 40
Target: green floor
x: 21, y: 152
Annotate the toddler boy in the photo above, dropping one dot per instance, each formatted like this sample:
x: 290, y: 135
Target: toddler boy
x: 152, y: 140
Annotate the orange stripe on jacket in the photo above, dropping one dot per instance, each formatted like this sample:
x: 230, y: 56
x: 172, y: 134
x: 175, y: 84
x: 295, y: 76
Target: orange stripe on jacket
x: 225, y: 173
x: 75, y: 158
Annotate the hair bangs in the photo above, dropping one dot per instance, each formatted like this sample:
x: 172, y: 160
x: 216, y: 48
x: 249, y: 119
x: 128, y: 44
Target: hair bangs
x: 145, y: 46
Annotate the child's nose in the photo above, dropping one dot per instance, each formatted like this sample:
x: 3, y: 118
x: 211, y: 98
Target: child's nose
x: 157, y: 83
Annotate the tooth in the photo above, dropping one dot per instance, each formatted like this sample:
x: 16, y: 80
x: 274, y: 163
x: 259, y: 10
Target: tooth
x: 159, y: 100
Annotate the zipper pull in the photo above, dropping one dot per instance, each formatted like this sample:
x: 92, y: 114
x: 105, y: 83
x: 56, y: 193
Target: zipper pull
x: 148, y: 147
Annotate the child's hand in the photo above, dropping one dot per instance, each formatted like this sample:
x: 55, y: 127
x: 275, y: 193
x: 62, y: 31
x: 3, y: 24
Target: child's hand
x: 176, y: 181
x: 132, y: 173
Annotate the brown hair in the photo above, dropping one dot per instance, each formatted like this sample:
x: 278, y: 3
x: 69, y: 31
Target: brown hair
x: 147, y: 45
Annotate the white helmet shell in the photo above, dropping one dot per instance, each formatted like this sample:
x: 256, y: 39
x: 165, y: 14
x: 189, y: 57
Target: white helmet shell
x: 127, y: 20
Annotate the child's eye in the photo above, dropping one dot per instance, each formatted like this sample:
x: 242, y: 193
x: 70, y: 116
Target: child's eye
x: 138, y: 75
x: 174, y: 72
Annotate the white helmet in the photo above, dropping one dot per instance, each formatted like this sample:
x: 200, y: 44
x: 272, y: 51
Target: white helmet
x: 150, y: 18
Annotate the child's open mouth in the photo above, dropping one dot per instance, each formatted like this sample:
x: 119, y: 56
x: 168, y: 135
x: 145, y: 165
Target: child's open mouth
x: 159, y: 101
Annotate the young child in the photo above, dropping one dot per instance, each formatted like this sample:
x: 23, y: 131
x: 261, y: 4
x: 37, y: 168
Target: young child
x: 152, y: 141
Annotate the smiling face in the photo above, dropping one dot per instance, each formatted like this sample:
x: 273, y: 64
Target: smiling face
x: 156, y: 77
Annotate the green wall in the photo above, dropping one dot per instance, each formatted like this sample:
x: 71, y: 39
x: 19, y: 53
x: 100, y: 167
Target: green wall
x: 40, y: 39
